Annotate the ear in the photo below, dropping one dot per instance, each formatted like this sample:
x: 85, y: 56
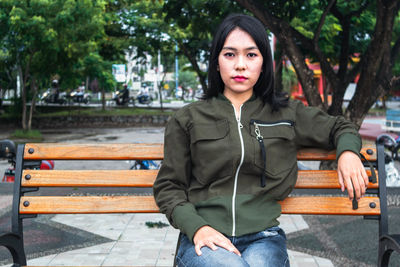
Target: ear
x: 217, y: 67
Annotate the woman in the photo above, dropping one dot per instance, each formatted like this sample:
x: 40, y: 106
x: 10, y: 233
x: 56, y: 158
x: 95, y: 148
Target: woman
x: 231, y: 157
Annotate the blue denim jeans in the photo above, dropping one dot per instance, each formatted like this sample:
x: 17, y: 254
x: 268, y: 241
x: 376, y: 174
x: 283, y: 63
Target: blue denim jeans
x: 266, y: 248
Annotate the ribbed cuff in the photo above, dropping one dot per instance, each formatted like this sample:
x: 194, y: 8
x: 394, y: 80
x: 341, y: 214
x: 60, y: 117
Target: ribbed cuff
x: 348, y: 142
x: 186, y: 218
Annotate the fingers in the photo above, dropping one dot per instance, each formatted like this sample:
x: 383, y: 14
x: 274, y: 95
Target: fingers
x: 207, y: 236
x: 341, y: 182
x: 349, y: 186
x: 229, y: 247
x: 356, y: 182
x: 365, y: 177
x: 226, y: 244
x: 199, y: 245
x: 352, y: 175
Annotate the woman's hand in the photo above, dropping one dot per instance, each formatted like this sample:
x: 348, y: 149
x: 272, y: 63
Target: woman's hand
x: 352, y: 175
x: 208, y: 236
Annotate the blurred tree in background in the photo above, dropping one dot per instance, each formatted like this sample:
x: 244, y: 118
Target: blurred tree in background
x: 44, y: 38
x: 79, y: 40
x: 333, y: 33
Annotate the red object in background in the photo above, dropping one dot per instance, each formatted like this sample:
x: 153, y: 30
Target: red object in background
x: 47, y: 165
x: 9, y: 174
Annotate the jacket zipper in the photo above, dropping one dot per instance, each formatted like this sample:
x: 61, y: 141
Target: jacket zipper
x: 272, y: 124
x: 260, y: 139
x: 240, y: 126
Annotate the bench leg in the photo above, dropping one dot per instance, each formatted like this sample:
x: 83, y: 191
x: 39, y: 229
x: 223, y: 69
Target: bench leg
x: 387, y: 244
x: 15, y: 245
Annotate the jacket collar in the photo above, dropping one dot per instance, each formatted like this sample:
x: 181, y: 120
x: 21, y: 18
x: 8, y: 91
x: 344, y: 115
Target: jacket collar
x: 221, y: 96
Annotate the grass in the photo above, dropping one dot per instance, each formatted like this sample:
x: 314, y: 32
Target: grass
x: 158, y: 224
x: 35, y: 135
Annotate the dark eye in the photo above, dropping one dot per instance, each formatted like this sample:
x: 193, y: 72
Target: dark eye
x: 229, y: 54
x: 251, y: 54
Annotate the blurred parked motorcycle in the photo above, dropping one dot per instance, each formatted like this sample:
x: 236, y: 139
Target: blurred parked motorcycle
x: 145, y: 99
x: 122, y: 97
x: 54, y: 97
x: 77, y: 96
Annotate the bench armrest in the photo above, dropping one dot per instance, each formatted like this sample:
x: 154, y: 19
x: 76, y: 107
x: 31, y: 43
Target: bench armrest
x: 14, y: 244
x: 387, y: 244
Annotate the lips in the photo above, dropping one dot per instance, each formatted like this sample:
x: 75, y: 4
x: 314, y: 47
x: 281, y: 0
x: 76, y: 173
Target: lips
x: 240, y: 78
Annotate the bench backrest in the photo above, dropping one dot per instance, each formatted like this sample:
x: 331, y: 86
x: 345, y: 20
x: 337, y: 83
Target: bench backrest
x: 30, y: 180
x: 27, y: 180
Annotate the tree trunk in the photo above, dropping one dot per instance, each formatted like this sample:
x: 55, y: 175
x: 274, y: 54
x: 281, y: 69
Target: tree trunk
x: 34, y: 88
x: 24, y: 78
x: 376, y: 67
x: 103, y: 99
x: 304, y: 73
x: 23, y: 98
x: 160, y: 87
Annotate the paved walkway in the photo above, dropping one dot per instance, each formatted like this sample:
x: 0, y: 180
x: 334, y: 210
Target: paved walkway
x: 132, y: 242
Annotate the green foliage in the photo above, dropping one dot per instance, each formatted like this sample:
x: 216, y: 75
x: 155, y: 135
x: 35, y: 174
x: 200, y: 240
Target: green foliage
x: 96, y: 66
x: 30, y: 134
x: 158, y: 224
x: 188, y: 79
x: 307, y: 19
x: 161, y: 25
x: 48, y: 38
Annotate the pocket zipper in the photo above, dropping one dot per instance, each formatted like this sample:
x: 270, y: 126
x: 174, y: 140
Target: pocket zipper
x: 271, y: 124
x: 260, y: 140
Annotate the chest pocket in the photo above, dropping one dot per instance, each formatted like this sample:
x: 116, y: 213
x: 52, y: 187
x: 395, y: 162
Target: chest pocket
x: 280, y: 150
x: 210, y: 151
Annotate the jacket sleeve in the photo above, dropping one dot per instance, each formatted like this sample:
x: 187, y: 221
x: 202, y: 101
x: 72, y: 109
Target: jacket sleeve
x: 316, y: 128
x: 173, y: 179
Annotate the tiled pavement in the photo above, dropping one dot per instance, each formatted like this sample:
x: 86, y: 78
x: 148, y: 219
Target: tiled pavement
x: 135, y: 243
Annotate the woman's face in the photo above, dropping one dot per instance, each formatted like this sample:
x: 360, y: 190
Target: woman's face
x: 240, y: 64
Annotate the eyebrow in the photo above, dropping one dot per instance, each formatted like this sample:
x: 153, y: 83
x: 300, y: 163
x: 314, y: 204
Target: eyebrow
x: 235, y: 49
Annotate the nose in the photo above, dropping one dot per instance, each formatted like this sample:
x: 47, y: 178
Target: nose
x: 240, y: 63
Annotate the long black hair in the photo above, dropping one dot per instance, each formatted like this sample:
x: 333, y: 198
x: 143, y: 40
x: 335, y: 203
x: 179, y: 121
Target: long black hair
x: 264, y: 87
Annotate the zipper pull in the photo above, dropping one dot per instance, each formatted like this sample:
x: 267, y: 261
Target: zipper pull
x: 258, y: 133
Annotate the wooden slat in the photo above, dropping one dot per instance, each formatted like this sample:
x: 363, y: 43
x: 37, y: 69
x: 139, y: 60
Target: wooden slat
x: 87, y: 204
x: 319, y: 154
x: 314, y: 179
x: 64, y: 151
x: 329, y: 205
x: 324, y: 179
x: 142, y: 204
x: 85, y: 178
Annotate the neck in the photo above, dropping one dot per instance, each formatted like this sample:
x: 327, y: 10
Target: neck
x: 237, y: 99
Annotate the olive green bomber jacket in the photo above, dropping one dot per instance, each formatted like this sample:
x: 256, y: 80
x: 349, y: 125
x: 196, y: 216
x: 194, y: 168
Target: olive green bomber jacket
x: 230, y: 172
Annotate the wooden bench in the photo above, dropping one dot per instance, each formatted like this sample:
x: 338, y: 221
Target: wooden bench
x: 26, y: 205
